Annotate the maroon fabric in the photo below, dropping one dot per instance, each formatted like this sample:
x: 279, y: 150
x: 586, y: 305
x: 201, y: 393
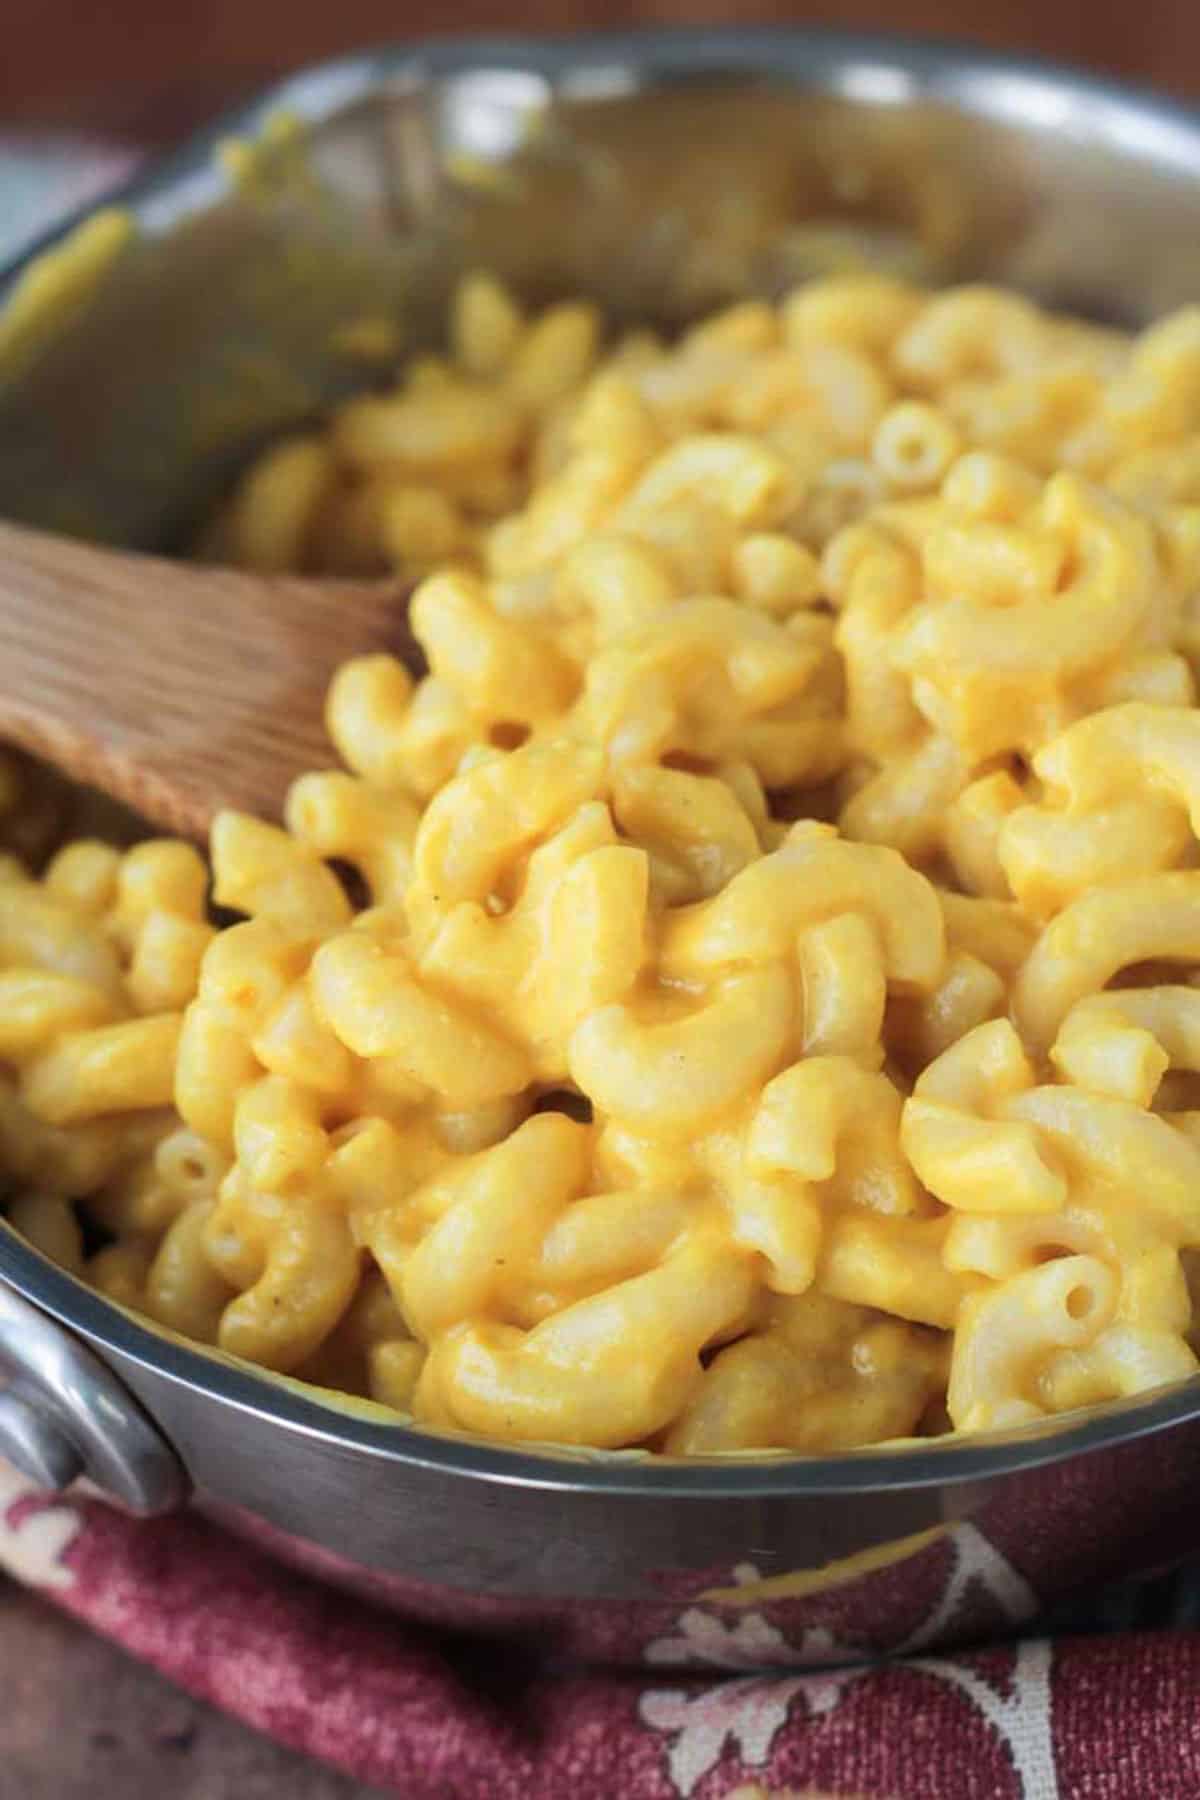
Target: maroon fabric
x: 1110, y: 1718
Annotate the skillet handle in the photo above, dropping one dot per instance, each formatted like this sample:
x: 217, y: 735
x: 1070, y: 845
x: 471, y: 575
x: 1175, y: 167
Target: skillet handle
x: 63, y: 1414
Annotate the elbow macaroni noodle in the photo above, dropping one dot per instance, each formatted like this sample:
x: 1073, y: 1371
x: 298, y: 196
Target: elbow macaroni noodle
x: 768, y: 1012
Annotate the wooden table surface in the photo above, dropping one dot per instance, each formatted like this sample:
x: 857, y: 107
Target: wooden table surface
x: 77, y: 1718
x: 157, y: 65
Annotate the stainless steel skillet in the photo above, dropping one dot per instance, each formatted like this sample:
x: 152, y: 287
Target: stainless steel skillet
x: 663, y: 173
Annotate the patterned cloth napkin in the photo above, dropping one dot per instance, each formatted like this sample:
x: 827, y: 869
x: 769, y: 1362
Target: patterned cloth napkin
x: 1103, y: 1710
x: 1076, y: 1717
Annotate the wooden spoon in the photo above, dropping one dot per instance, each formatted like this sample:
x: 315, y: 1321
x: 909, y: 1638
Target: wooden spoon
x: 176, y: 689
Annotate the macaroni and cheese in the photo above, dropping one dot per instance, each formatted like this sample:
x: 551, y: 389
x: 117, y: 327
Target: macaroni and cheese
x: 745, y: 994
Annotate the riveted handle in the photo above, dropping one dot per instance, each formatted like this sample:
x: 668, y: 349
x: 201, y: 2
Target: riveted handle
x: 64, y: 1414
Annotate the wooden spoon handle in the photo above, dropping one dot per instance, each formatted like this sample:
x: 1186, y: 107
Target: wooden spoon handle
x: 174, y: 688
